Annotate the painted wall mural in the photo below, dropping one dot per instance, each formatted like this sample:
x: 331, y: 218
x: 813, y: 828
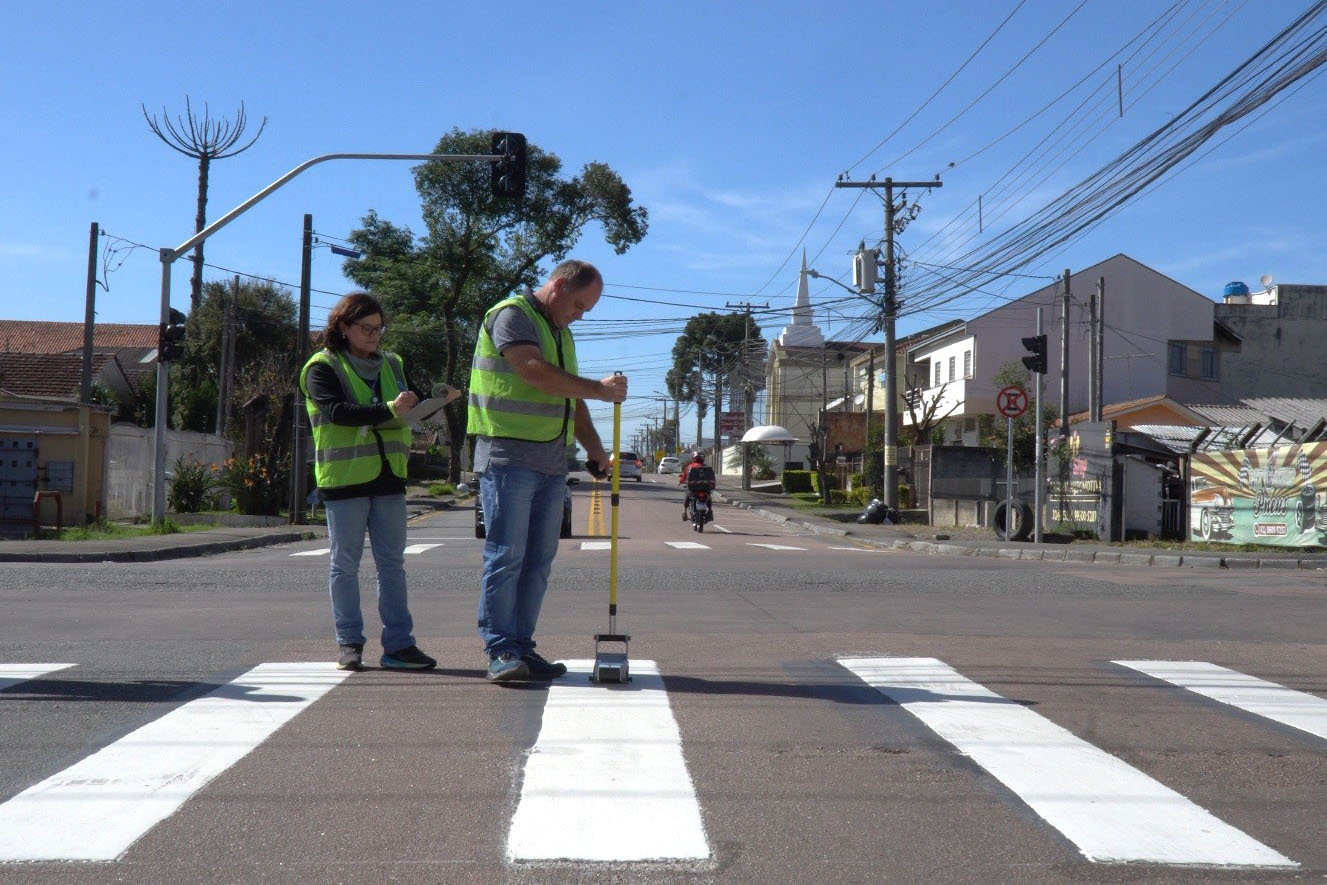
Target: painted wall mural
x: 1276, y: 496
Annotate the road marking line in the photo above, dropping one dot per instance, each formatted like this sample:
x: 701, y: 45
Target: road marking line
x: 13, y: 674
x: 859, y: 549
x: 719, y: 528
x: 99, y: 806
x: 1297, y: 709
x: 774, y: 546
x: 1112, y: 811
x: 687, y: 545
x: 596, y: 545
x: 420, y: 548
x: 606, y: 780
x: 322, y: 552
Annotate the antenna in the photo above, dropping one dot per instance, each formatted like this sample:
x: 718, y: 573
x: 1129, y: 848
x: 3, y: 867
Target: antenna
x: 1266, y: 280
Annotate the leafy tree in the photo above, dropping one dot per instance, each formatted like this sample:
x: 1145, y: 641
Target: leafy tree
x: 710, y: 343
x: 993, y: 433
x: 477, y: 249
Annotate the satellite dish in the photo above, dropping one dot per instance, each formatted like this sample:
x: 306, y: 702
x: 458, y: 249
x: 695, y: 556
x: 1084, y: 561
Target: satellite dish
x: 1266, y: 280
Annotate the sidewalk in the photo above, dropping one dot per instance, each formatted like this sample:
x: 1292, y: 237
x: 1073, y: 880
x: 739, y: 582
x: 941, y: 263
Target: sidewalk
x: 986, y: 543
x: 152, y: 548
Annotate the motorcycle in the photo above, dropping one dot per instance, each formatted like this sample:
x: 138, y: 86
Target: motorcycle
x: 700, y: 504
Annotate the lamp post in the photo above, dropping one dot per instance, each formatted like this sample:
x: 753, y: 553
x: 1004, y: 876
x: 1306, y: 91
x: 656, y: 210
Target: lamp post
x: 170, y: 256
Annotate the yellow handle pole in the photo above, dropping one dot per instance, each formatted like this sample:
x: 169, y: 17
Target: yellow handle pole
x: 612, y: 544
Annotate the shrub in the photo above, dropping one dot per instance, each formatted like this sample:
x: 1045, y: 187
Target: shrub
x: 831, y: 480
x: 860, y: 495
x: 855, y: 481
x: 256, y: 484
x: 904, y: 496
x: 837, y: 497
x: 797, y: 481
x: 193, y: 488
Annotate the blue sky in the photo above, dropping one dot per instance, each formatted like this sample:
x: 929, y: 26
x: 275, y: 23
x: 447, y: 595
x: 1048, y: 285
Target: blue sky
x: 729, y: 121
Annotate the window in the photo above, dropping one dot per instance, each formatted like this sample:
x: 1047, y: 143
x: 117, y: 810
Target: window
x: 1208, y: 367
x: 937, y: 373
x: 951, y: 368
x: 967, y: 364
x: 1177, y: 357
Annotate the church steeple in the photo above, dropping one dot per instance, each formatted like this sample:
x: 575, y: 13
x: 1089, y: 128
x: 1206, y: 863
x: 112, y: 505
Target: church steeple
x: 802, y: 332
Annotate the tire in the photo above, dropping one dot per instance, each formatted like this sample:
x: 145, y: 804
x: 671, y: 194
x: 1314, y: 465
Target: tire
x: 1205, y: 525
x: 1021, y: 526
x: 1300, y: 522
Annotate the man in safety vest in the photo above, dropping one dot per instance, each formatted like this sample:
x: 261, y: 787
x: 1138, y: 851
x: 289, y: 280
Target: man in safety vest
x: 527, y: 405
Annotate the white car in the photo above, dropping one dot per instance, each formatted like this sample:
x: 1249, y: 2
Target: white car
x: 630, y: 466
x: 669, y: 464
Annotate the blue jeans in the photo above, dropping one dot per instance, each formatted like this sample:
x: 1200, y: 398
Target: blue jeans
x: 384, y: 518
x: 522, y: 518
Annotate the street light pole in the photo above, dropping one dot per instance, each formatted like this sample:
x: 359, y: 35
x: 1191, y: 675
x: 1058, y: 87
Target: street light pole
x: 170, y: 256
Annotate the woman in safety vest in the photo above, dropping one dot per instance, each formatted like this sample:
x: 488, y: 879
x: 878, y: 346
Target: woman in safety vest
x: 349, y: 389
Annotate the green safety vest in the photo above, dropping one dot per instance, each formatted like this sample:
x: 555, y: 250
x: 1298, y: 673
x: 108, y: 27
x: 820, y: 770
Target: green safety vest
x: 501, y: 404
x: 348, y: 456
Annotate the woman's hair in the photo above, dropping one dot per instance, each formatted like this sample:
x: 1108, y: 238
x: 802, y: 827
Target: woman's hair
x: 352, y: 308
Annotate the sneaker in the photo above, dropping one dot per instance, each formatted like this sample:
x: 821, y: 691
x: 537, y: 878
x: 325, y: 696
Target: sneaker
x: 352, y: 657
x: 409, y: 658
x: 507, y: 667
x: 541, y: 668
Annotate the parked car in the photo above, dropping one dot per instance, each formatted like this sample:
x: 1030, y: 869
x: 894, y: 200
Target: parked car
x: 565, y: 532
x: 669, y: 464
x: 631, y: 466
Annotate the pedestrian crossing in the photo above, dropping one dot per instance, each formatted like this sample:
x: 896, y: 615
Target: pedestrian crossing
x: 595, y: 544
x: 614, y: 756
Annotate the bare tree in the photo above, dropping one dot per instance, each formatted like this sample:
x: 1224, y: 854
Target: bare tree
x: 927, y: 421
x: 205, y: 140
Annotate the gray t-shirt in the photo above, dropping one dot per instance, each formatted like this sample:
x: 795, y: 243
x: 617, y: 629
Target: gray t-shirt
x: 511, y: 326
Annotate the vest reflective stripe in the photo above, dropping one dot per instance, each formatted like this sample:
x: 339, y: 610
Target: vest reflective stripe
x: 348, y: 456
x: 501, y: 403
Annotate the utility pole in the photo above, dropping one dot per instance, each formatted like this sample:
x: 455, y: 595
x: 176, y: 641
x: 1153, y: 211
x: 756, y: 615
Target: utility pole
x: 748, y: 391
x: 1099, y: 380
x: 298, y: 444
x: 89, y: 315
x: 1064, y: 360
x: 1092, y: 355
x: 1039, y: 494
x: 894, y: 223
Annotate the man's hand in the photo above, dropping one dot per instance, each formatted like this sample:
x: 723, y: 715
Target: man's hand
x: 404, y: 402
x: 613, y: 388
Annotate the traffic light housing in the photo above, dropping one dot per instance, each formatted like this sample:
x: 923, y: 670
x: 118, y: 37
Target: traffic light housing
x: 170, y: 339
x: 509, y: 172
x: 1036, y: 345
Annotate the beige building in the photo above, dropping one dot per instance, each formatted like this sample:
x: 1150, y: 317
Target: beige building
x: 53, y: 450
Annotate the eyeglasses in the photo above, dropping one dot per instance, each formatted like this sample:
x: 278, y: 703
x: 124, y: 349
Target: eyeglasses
x: 371, y: 330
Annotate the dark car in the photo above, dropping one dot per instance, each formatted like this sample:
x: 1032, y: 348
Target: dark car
x: 566, y: 514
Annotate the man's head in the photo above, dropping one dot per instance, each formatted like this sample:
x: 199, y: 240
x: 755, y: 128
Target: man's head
x: 573, y: 288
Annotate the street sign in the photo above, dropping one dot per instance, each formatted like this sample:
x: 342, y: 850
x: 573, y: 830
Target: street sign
x: 732, y: 423
x: 1011, y: 402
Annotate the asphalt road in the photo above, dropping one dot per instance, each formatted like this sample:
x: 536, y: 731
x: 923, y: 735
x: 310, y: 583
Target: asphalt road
x: 824, y: 711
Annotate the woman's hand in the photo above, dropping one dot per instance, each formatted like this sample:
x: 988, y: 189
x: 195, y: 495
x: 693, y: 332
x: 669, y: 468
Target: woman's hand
x: 404, y: 402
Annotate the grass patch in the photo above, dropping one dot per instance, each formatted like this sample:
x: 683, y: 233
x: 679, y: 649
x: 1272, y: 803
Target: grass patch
x: 102, y: 530
x: 441, y: 488
x: 810, y: 502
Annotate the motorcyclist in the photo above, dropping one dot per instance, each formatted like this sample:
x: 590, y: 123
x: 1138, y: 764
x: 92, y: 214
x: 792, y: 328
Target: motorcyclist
x: 696, y: 458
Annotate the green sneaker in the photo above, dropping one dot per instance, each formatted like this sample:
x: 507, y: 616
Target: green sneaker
x: 409, y: 658
x: 507, y: 667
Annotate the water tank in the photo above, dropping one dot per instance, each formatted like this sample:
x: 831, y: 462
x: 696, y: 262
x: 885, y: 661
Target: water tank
x: 1237, y: 293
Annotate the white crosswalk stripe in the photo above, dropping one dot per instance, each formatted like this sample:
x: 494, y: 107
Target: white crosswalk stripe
x: 774, y: 546
x: 1112, y: 811
x: 111, y: 798
x: 687, y: 545
x: 596, y: 545
x: 419, y: 548
x: 1297, y: 709
x: 322, y: 551
x: 606, y: 780
x: 13, y: 674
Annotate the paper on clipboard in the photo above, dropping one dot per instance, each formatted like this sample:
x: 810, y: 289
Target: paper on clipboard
x: 423, y: 411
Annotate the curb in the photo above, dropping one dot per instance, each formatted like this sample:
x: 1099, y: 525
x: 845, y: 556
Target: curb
x: 780, y: 518
x: 178, y: 552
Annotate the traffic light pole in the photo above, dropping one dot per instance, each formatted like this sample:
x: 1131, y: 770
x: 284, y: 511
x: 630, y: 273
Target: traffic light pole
x: 1040, y: 493
x: 170, y: 256
x: 888, y: 319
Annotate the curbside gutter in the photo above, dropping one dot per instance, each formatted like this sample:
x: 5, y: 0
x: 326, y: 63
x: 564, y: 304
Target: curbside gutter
x: 156, y: 554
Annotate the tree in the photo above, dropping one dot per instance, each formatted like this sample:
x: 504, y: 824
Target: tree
x: 265, y: 316
x: 926, y: 423
x: 205, y: 140
x: 992, y: 431
x: 710, y: 344
x: 477, y: 250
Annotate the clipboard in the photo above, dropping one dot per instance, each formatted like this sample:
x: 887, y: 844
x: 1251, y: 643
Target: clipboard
x: 423, y: 410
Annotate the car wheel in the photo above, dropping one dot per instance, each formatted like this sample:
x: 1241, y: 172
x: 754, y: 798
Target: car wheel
x: 1205, y: 525
x: 1300, y: 523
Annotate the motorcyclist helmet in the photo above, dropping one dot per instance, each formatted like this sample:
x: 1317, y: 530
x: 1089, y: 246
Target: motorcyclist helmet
x: 698, y: 458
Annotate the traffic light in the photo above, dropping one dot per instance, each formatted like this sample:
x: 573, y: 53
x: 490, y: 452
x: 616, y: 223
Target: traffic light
x: 170, y: 340
x: 509, y: 172
x: 1036, y: 345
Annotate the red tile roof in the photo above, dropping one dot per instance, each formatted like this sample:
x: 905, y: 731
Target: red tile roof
x: 40, y: 336
x: 45, y: 374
